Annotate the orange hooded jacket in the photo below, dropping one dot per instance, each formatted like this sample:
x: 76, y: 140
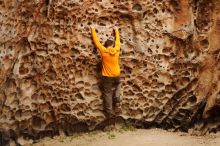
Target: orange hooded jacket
x: 110, y: 64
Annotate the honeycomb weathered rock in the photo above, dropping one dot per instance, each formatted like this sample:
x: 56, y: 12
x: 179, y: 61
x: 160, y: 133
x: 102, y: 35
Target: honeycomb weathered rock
x: 49, y: 82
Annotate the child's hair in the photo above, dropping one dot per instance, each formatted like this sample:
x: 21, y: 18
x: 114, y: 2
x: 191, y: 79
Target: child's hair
x: 108, y: 43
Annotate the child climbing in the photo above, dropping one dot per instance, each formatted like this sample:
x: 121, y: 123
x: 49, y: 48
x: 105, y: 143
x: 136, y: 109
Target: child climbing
x: 110, y: 71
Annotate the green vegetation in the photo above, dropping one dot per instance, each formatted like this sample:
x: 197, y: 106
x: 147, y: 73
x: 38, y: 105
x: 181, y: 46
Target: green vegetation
x: 127, y: 127
x: 93, y: 133
x: 111, y: 135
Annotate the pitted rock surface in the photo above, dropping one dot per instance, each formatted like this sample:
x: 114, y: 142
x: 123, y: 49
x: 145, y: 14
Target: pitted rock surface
x: 49, y: 79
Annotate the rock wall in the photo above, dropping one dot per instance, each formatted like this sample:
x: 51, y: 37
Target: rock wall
x: 49, y: 79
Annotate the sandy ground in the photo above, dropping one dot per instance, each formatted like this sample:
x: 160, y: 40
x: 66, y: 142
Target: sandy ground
x: 135, y: 137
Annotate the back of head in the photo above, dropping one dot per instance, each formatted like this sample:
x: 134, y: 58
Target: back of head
x: 109, y: 44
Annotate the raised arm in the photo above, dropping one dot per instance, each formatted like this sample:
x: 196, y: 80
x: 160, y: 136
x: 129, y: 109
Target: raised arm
x: 117, y: 39
x: 96, y: 41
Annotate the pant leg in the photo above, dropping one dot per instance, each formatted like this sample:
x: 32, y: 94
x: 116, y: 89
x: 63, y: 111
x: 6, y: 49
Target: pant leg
x: 117, y: 87
x: 107, y: 95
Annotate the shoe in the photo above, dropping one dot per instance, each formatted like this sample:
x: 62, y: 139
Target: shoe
x: 110, y: 115
x: 117, y: 108
x: 117, y: 99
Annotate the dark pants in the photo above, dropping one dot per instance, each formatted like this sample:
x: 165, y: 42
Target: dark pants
x: 108, y: 83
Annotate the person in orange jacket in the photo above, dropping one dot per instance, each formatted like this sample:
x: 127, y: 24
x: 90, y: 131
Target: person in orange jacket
x: 110, y: 70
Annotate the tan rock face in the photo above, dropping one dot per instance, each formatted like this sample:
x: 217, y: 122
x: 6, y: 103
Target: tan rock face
x: 49, y: 79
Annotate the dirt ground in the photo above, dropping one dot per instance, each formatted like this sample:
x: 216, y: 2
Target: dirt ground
x: 132, y: 137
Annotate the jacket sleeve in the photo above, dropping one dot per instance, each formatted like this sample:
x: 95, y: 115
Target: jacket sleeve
x: 96, y: 41
x: 117, y: 39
